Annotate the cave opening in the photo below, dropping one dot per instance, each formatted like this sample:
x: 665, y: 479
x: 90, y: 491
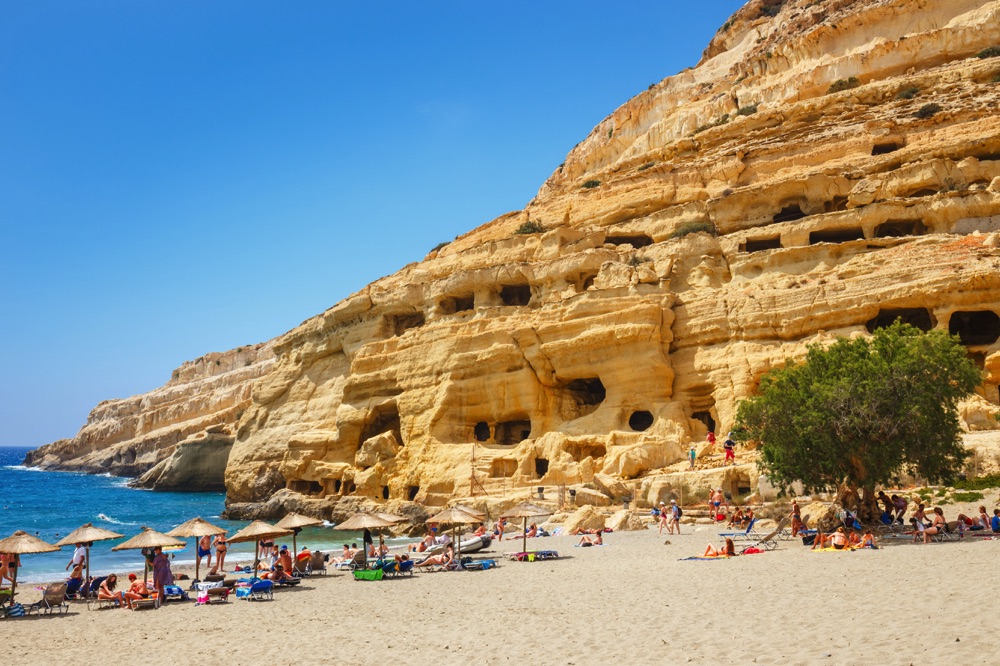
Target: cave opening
x: 836, y: 236
x: 975, y: 327
x: 636, y: 240
x: 385, y: 492
x: 837, y: 204
x: 541, y: 467
x: 515, y: 294
x: 789, y: 214
x: 900, y: 228
x: 400, y: 323
x: 580, y: 451
x: 760, y: 244
x: 885, y: 148
x: 411, y: 492
x: 924, y: 192
x: 917, y: 317
x: 454, y: 304
x: 509, y: 433
x: 587, y: 281
x: 640, y: 420
x: 588, y: 392
x: 336, y: 486
x: 481, y: 431
x: 352, y: 487
x: 706, y: 418
x: 502, y: 467
x: 383, y: 418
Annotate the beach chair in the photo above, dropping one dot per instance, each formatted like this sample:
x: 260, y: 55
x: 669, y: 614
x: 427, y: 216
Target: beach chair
x: 746, y: 534
x: 317, y: 563
x: 392, y: 568
x: 480, y: 565
x: 53, y: 599
x: 357, y: 562
x: 770, y: 540
x: 152, y: 601
x: 257, y: 590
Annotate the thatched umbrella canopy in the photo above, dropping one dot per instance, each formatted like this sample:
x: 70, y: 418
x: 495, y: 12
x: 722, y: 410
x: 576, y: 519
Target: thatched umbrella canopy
x: 392, y: 518
x: 366, y: 521
x: 526, y: 510
x: 256, y: 531
x: 196, y: 527
x: 456, y: 515
x: 295, y: 522
x: 87, y: 534
x: 148, y: 538
x: 22, y: 543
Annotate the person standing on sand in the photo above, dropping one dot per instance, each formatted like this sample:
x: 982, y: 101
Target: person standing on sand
x: 796, y: 517
x: 664, y: 518
x: 162, y: 576
x: 716, y: 504
x: 221, y: 546
x: 675, y: 518
x: 501, y: 524
x: 79, y: 556
x: 205, y: 550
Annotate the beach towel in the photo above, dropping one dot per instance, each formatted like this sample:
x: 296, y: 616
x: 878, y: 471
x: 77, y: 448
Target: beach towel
x: 706, y: 557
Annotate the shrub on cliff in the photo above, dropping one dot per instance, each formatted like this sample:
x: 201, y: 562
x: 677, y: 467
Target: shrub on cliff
x: 693, y: 228
x: 858, y: 413
x: 991, y: 52
x: 840, y: 85
x: 530, y: 227
x: 747, y: 110
x: 927, y: 110
x: 908, y: 93
x: 591, y: 184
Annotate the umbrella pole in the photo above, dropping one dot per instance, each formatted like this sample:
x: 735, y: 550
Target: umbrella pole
x: 256, y: 558
x: 13, y: 580
x: 524, y: 539
x: 197, y: 561
x: 295, y: 547
x: 86, y: 593
x: 458, y: 547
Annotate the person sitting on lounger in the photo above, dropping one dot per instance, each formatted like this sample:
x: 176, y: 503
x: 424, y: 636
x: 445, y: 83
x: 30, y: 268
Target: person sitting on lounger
x: 995, y: 521
x: 423, y: 545
x: 585, y: 541
x: 107, y: 591
x: 345, y: 556
x: 532, y: 531
x: 748, y: 517
x: 920, y: 514
x: 728, y: 551
x: 137, y: 590
x: 853, y: 539
x: 868, y: 540
x: 979, y: 522
x: 279, y: 574
x: 480, y: 531
x: 938, y: 526
x: 444, y: 559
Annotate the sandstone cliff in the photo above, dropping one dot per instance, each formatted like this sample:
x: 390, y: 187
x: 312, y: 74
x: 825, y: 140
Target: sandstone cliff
x: 827, y: 167
x: 129, y: 437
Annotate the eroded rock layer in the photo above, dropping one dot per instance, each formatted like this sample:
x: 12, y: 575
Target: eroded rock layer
x: 129, y: 437
x: 828, y: 166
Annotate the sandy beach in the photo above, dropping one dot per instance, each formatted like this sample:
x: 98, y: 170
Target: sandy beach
x: 630, y: 601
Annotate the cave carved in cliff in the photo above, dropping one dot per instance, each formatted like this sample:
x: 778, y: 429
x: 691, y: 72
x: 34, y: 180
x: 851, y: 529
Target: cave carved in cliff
x: 917, y: 317
x: 515, y: 294
x: 397, y: 324
x: 900, y: 228
x: 640, y: 420
x: 789, y: 214
x: 635, y: 240
x: 383, y: 418
x: 587, y: 394
x: 502, y: 468
x: 836, y: 236
x: 509, y: 433
x: 975, y: 327
x: 453, y: 304
x: 760, y: 244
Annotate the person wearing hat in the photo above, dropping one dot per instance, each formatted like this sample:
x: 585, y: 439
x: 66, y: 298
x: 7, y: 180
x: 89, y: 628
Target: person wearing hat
x: 137, y: 590
x: 664, y: 517
x: 675, y: 518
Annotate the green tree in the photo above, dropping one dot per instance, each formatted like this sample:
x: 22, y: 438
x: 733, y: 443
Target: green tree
x: 856, y: 414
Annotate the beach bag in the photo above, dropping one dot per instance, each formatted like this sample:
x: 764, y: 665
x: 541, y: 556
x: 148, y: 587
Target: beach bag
x: 15, y: 610
x: 680, y: 512
x: 809, y: 540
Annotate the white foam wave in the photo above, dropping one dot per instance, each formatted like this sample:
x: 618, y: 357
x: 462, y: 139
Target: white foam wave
x: 327, y: 523
x: 22, y: 468
x: 109, y: 519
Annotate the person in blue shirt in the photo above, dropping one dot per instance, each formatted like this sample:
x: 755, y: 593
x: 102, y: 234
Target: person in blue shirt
x: 995, y: 520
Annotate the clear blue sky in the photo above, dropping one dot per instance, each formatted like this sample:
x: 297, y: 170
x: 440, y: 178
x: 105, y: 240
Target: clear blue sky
x: 186, y: 176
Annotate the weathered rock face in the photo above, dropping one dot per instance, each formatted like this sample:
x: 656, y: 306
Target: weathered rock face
x: 607, y: 343
x: 130, y: 437
x: 707, y: 230
x: 198, y: 463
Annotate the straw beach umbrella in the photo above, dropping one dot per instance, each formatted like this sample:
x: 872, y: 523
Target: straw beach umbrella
x: 366, y: 521
x: 148, y: 538
x: 455, y: 516
x: 526, y: 510
x: 295, y: 522
x: 196, y: 527
x: 256, y: 531
x: 22, y: 543
x: 87, y: 534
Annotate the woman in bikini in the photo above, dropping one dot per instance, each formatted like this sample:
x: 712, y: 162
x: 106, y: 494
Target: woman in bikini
x: 221, y: 546
x: 443, y: 559
x: 939, y: 526
x: 728, y: 551
x: 107, y: 591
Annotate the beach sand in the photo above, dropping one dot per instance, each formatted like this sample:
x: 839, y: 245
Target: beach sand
x: 630, y: 601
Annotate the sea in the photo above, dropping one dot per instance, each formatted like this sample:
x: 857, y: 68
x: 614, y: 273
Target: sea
x: 50, y: 505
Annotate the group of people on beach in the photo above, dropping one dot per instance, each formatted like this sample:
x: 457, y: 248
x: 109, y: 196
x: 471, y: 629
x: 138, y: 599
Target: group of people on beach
x: 221, y: 546
x: 107, y: 586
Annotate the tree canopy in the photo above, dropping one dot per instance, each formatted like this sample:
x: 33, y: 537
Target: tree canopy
x: 859, y: 412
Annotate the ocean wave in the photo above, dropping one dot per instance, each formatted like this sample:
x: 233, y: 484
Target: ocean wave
x: 22, y: 468
x: 109, y: 519
x: 327, y: 523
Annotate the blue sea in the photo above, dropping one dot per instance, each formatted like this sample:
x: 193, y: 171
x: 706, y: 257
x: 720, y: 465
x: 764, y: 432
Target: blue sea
x: 53, y: 504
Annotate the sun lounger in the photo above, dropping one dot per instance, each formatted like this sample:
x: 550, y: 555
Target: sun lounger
x: 746, y: 534
x: 216, y: 589
x: 257, y: 590
x: 357, y: 562
x: 480, y: 565
x: 317, y: 563
x: 768, y: 541
x: 152, y: 601
x: 392, y: 568
x: 53, y: 599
